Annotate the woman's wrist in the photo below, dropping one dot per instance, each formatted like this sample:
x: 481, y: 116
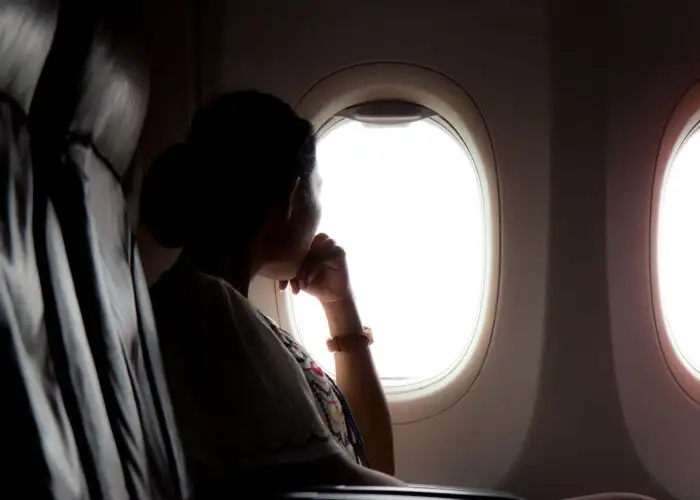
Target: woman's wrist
x: 343, y: 317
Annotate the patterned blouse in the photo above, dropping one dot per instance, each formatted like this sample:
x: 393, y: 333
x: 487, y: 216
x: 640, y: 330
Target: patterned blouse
x: 235, y: 376
x: 330, y: 401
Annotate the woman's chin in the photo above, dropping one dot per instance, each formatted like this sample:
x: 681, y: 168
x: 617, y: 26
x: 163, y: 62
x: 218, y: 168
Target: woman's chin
x: 279, y: 271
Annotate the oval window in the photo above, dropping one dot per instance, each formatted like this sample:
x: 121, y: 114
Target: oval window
x: 678, y: 250
x: 405, y: 201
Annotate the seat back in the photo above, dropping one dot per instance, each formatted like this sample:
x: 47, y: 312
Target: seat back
x: 103, y: 136
x: 87, y: 409
x: 36, y: 423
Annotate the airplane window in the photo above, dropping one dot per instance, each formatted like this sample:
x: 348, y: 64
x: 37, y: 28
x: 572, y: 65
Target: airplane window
x: 678, y: 248
x: 405, y: 201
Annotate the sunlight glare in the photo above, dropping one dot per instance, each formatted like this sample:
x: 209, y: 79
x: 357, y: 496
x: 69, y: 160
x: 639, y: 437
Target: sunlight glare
x: 679, y: 251
x: 405, y: 202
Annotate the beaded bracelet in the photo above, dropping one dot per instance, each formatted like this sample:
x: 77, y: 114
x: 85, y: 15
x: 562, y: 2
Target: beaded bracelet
x: 351, y: 341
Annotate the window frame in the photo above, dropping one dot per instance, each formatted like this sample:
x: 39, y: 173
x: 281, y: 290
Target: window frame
x: 289, y: 321
x: 683, y: 122
x: 458, y: 114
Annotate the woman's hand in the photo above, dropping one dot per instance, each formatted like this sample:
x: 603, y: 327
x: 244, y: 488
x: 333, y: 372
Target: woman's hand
x: 324, y: 273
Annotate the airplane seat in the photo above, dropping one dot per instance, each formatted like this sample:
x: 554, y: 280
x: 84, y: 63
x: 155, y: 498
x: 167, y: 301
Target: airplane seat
x: 420, y: 492
x: 34, y: 415
x: 86, y: 412
x: 102, y: 139
x: 612, y: 496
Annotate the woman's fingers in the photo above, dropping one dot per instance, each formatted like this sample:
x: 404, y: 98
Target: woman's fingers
x: 323, y: 253
x: 319, y: 239
x: 323, y: 240
x: 331, y: 257
x: 314, y: 273
x: 315, y: 254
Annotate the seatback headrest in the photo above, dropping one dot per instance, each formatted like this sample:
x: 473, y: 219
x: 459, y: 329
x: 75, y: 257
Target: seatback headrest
x: 26, y: 32
x: 112, y: 107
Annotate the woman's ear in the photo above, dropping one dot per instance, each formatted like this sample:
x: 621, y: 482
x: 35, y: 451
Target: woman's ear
x: 292, y: 197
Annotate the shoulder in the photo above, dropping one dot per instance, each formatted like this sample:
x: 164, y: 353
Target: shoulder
x: 191, y: 291
x: 202, y: 287
x: 179, y: 282
x: 196, y: 319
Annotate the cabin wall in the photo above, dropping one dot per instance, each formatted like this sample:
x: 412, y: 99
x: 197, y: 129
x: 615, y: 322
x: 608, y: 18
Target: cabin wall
x: 579, y: 442
x: 656, y: 58
x: 575, y: 96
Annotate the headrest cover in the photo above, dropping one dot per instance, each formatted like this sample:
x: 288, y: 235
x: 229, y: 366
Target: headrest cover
x: 26, y: 33
x: 115, y: 89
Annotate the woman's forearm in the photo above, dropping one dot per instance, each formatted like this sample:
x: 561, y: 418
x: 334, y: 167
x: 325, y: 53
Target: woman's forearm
x: 357, y: 378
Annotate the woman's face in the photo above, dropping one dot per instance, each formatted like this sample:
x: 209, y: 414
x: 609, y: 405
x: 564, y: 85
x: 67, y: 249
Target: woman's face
x: 288, y: 237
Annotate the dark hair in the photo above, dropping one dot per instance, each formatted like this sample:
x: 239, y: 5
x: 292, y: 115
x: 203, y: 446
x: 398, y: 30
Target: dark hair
x: 242, y: 151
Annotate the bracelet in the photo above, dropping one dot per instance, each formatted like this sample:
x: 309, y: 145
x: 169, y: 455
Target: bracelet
x: 351, y: 341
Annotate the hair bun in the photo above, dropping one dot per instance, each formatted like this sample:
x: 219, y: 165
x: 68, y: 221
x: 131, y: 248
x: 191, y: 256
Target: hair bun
x: 164, y: 207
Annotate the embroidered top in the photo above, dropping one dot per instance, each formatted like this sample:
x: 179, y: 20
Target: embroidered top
x: 244, y: 392
x: 329, y: 398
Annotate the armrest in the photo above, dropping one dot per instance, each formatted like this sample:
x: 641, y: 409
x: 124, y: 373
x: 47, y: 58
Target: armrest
x: 418, y: 492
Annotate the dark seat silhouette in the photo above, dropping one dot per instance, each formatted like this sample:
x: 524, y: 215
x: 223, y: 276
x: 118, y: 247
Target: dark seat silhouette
x: 86, y: 412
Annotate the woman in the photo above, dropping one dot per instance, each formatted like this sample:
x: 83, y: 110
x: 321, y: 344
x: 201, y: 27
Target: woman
x: 240, y: 196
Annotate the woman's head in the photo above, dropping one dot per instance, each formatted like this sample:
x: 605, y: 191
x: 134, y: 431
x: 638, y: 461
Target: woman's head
x: 244, y: 182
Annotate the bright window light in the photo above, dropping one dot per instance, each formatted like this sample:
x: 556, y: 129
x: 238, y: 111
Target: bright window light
x: 678, y: 247
x: 406, y: 204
